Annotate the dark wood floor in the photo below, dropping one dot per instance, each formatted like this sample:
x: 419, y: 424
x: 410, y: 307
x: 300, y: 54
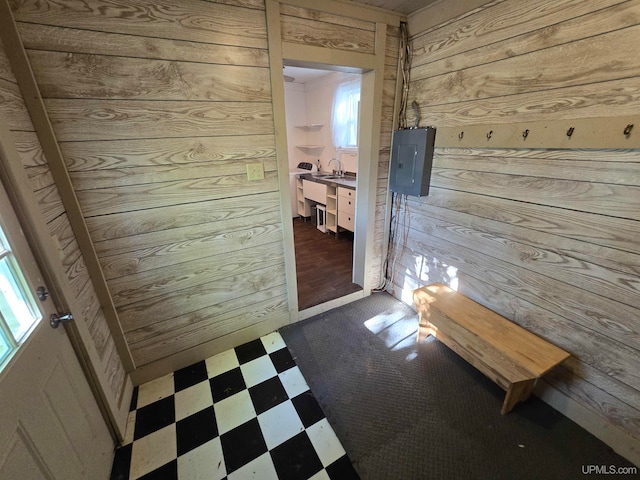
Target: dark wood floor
x: 323, y: 263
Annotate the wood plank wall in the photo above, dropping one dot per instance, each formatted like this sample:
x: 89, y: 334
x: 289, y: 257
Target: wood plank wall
x: 158, y: 108
x: 548, y: 238
x: 14, y: 112
x: 161, y: 108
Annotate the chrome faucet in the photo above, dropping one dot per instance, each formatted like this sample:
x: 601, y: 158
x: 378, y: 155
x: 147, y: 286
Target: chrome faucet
x: 340, y: 171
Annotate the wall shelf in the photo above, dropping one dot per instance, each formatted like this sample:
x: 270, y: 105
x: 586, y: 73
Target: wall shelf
x: 311, y: 126
x: 309, y: 147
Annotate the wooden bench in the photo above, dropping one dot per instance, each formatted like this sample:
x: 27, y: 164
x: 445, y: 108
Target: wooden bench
x: 508, y: 354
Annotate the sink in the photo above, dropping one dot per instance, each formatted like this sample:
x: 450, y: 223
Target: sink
x: 328, y: 176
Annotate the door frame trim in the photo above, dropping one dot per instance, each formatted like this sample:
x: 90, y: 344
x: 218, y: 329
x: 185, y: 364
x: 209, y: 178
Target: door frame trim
x: 372, y: 68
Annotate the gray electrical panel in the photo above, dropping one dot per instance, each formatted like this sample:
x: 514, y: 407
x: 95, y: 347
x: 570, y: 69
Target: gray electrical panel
x: 411, y: 160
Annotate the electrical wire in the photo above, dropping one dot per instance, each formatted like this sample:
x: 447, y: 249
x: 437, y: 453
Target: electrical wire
x: 389, y: 265
x: 406, y: 54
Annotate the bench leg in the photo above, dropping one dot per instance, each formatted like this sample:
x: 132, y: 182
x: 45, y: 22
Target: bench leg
x: 517, y: 392
x: 424, y: 328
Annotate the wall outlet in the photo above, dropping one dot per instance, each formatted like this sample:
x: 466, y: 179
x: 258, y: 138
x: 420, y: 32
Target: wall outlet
x: 255, y: 171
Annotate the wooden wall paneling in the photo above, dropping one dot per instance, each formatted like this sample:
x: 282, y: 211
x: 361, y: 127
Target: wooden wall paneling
x: 298, y: 55
x: 6, y: 73
x: 132, y: 263
x: 72, y: 40
x: 580, y: 251
x: 495, y: 22
x: 323, y: 34
x: 584, y: 101
x: 40, y: 177
x: 617, y: 16
x: 81, y: 120
x: 224, y: 294
x: 590, y: 169
x: 96, y: 179
x: 442, y: 12
x: 100, y: 332
x: 613, y: 286
x: 326, y: 17
x: 190, y: 355
x: 611, y: 200
x: 188, y: 274
x: 92, y: 155
x: 176, y: 216
x: 50, y: 202
x: 194, y: 232
x: 61, y: 231
x: 190, y: 20
x: 523, y: 73
x: 617, y: 233
x: 600, y: 381
x: 13, y: 107
x: 29, y: 148
x: 176, y: 340
x: 74, y: 265
x: 136, y: 197
x: 360, y: 12
x: 100, y: 76
x: 228, y: 304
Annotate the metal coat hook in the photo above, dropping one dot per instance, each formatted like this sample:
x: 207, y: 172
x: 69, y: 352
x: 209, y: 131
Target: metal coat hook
x: 627, y: 130
x: 570, y: 132
x: 460, y: 135
x: 489, y: 135
x: 525, y: 134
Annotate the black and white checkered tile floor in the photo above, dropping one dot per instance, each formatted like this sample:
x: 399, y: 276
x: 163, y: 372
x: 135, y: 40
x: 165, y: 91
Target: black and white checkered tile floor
x: 246, y: 413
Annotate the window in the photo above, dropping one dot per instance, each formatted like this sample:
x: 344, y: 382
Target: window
x: 18, y: 312
x: 344, y: 123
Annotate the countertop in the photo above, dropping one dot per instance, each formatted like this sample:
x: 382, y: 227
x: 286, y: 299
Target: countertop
x: 346, y: 181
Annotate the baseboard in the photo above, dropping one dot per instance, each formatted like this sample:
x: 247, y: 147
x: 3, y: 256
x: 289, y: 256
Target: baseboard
x: 621, y: 442
x: 150, y: 371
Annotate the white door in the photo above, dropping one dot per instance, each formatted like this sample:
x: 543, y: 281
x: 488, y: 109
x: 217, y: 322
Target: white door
x: 50, y: 424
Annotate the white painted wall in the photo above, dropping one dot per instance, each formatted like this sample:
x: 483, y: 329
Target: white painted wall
x: 296, y: 112
x: 312, y: 103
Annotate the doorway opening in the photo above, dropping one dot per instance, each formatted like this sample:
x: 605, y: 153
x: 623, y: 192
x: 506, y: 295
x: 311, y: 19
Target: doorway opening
x: 321, y: 110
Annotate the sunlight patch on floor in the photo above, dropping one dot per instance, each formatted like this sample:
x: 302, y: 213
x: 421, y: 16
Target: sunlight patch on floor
x: 395, y: 329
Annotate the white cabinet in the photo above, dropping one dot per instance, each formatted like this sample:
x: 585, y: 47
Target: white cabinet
x: 303, y: 207
x: 332, y: 209
x: 315, y: 191
x: 346, y: 208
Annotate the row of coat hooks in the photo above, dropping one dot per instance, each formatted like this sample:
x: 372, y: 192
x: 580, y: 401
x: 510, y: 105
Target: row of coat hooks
x: 626, y: 132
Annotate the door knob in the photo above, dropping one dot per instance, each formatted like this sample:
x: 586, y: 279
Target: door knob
x: 55, y: 319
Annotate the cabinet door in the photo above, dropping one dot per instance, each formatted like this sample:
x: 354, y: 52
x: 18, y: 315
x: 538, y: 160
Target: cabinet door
x: 346, y: 220
x: 315, y: 191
